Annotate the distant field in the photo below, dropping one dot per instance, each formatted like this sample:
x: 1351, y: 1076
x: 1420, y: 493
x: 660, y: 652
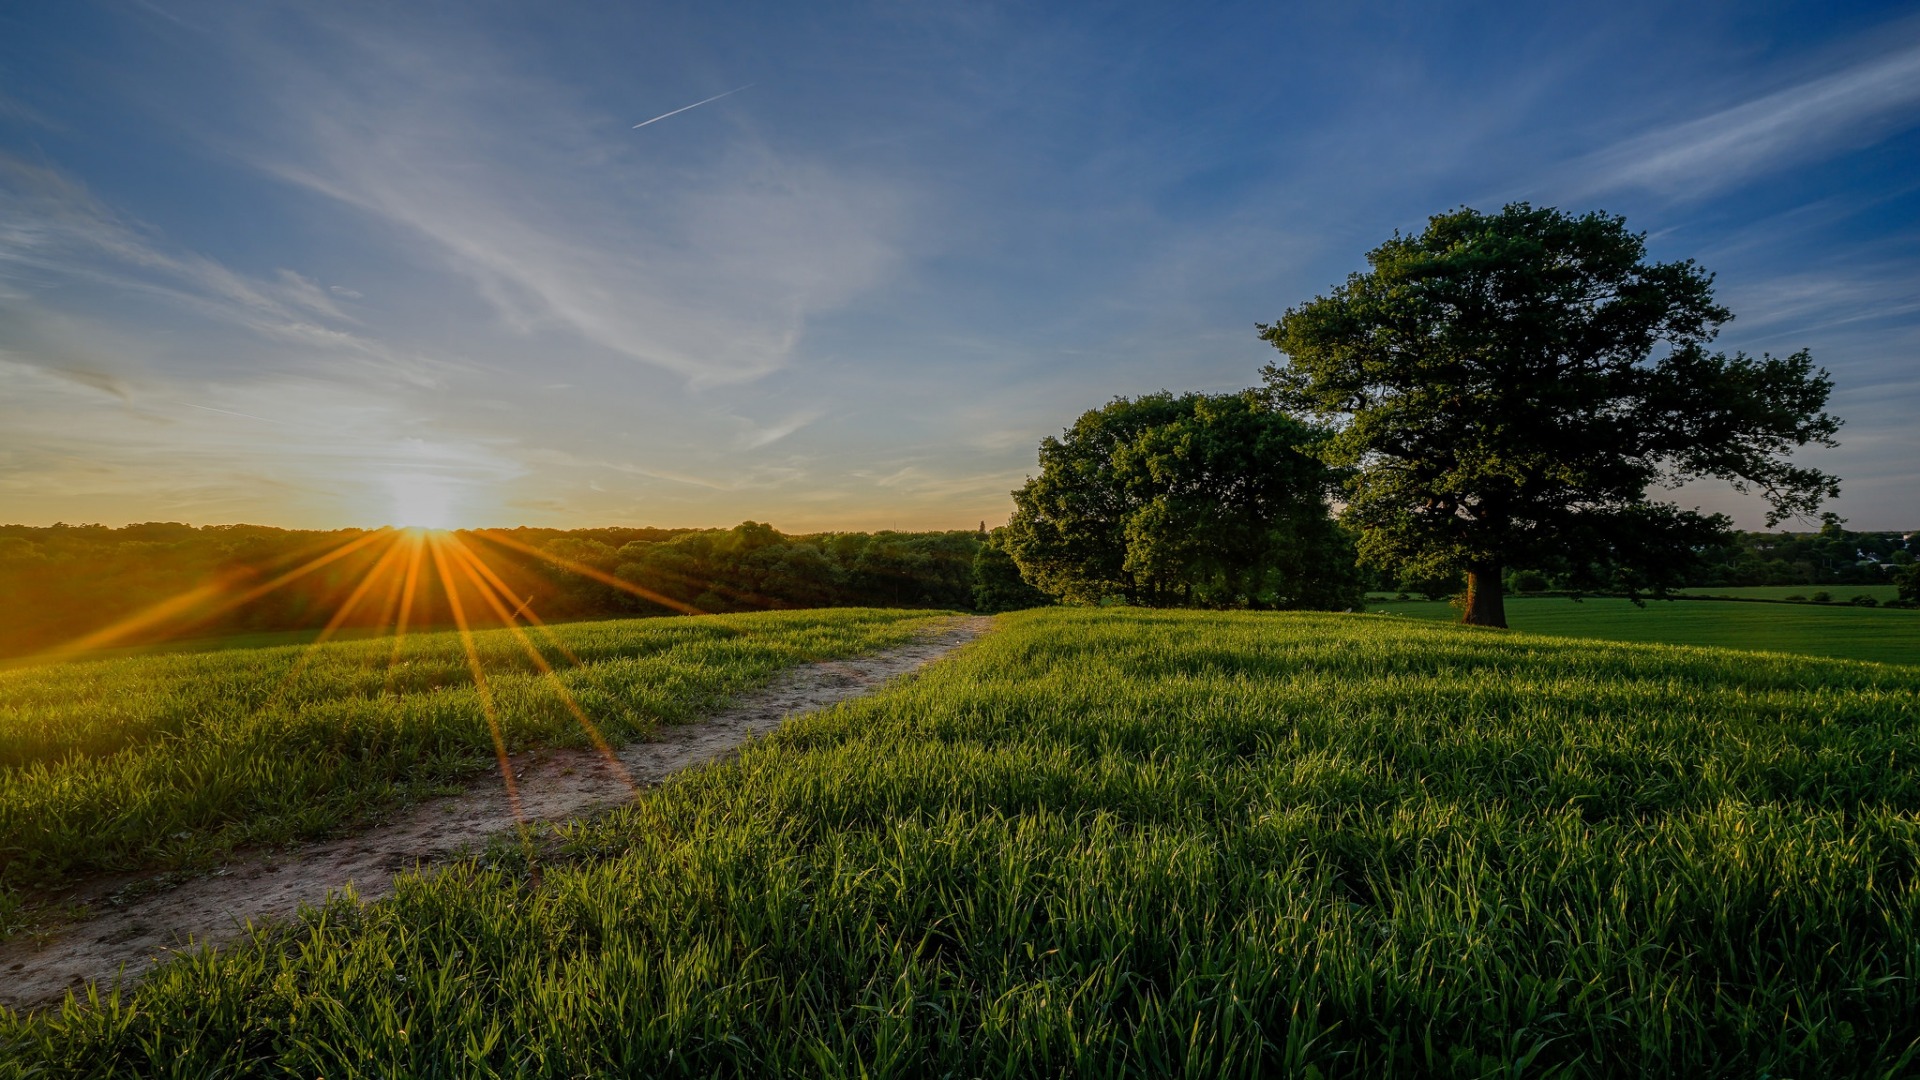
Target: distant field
x: 1840, y: 593
x: 1117, y: 842
x: 170, y: 759
x: 1888, y: 636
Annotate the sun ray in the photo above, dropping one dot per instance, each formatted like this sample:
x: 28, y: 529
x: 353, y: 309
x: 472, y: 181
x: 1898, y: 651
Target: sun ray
x: 469, y: 562
x: 524, y: 609
x: 390, y: 606
x: 417, y: 545
x: 193, y: 601
x: 303, y: 570
x: 584, y: 570
x: 372, y: 576
x: 436, y: 545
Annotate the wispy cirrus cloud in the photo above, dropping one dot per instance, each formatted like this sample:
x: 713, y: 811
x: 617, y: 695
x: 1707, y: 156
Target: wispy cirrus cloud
x: 708, y: 264
x: 54, y: 232
x: 1826, y: 298
x: 759, y: 436
x: 759, y: 477
x: 1842, y: 109
x: 919, y: 482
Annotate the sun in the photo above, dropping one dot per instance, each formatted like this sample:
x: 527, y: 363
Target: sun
x: 420, y: 501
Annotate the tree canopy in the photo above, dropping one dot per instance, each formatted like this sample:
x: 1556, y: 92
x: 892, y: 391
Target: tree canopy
x: 1202, y: 500
x: 1505, y: 388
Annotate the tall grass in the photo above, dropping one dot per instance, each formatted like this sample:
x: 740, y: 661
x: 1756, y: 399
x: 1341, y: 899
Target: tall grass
x: 170, y: 760
x: 1136, y: 844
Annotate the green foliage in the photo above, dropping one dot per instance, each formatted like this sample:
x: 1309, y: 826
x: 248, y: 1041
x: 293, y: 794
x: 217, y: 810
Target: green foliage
x: 1832, y: 556
x: 172, y: 760
x: 1128, y: 843
x: 1907, y: 581
x: 997, y: 584
x: 1527, y: 581
x: 1507, y: 387
x: 754, y: 566
x: 1198, y: 500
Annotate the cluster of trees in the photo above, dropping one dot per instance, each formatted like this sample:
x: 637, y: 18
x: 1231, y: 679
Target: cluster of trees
x: 1832, y: 556
x: 754, y: 566
x: 1496, y: 394
x: 1193, y: 501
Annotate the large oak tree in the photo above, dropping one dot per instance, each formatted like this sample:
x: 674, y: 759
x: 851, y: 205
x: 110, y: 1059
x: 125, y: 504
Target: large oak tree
x: 1506, y: 388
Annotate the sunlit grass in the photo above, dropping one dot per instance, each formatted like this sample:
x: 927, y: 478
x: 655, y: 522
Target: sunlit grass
x: 171, y: 760
x: 1123, y: 843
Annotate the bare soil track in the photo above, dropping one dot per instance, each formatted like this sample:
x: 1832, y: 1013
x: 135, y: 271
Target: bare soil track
x: 117, y: 943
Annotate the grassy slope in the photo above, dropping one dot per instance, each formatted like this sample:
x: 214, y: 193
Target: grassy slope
x: 1837, y: 630
x: 168, y: 760
x: 1108, y: 843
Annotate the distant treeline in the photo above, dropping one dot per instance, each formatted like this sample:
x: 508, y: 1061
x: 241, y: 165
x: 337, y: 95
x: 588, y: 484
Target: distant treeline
x: 62, y: 583
x: 1834, y: 555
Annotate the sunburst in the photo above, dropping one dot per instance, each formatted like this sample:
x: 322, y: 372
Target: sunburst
x: 407, y: 563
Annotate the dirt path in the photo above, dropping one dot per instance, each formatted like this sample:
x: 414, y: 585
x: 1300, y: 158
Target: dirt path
x: 125, y: 940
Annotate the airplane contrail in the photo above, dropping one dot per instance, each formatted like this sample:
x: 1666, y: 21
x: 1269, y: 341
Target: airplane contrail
x: 228, y: 412
x: 695, y: 105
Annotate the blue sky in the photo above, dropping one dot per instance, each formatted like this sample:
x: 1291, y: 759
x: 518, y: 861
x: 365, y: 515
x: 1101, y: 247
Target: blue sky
x: 345, y: 264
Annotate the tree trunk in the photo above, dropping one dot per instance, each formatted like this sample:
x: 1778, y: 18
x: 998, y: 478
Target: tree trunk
x: 1486, y: 598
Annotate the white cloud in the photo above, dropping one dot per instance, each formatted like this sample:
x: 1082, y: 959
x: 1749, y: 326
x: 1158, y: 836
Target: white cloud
x: 760, y: 477
x: 917, y: 483
x: 54, y: 232
x: 1857, y: 105
x: 1822, y: 299
x: 757, y: 437
x: 567, y: 219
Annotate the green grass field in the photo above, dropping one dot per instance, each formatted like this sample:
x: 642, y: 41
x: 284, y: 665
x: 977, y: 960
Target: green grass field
x: 1120, y: 843
x: 1832, y: 630
x: 1840, y: 593
x: 170, y: 760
